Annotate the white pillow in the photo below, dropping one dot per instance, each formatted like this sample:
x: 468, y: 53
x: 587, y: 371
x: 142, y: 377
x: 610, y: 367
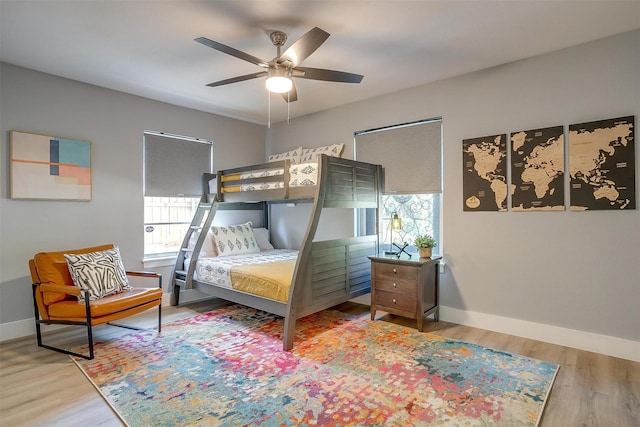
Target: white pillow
x: 234, y: 239
x: 102, y: 273
x: 311, y: 154
x: 262, y: 238
x: 293, y: 155
x: 207, y: 250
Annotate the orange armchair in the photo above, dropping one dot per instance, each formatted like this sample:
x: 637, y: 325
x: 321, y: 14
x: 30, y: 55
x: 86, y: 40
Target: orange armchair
x: 55, y: 298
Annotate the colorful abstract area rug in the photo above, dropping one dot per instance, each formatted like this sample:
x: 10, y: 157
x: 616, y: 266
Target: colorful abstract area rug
x: 227, y: 368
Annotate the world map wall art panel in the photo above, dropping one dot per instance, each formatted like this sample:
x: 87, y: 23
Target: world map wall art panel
x: 484, y: 179
x: 602, y: 165
x: 49, y: 167
x: 537, y: 169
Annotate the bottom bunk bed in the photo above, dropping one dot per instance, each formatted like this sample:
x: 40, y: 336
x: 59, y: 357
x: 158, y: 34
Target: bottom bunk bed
x: 339, y: 270
x: 292, y: 284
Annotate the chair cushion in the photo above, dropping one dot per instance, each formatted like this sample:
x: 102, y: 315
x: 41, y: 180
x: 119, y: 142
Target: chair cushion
x: 101, y: 273
x: 75, y: 310
x: 52, y: 268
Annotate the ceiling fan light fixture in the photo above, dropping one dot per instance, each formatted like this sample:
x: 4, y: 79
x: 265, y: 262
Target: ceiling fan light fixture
x: 280, y: 70
x: 278, y: 81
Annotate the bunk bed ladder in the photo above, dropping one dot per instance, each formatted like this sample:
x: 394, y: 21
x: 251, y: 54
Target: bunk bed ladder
x: 201, y: 221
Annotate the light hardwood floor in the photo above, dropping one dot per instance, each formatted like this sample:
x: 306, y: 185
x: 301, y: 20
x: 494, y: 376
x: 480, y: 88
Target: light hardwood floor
x: 39, y: 387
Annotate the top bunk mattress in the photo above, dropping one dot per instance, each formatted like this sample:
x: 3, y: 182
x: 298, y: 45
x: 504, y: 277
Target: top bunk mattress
x: 301, y: 175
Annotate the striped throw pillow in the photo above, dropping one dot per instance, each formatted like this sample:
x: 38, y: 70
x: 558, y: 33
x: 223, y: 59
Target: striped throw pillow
x: 102, y: 273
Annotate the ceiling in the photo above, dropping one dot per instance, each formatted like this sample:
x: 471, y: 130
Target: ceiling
x: 147, y: 48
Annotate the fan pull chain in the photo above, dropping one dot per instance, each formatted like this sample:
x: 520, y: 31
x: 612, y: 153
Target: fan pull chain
x: 288, y: 105
x: 269, y: 114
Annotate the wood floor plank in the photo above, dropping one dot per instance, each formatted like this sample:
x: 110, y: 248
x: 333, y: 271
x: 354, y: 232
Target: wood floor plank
x: 39, y: 387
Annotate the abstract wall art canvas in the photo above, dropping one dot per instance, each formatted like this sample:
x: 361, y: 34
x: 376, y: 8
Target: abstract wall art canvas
x: 49, y: 167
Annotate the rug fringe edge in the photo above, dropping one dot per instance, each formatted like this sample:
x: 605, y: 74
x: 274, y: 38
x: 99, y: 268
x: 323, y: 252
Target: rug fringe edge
x: 95, y: 386
x: 546, y: 396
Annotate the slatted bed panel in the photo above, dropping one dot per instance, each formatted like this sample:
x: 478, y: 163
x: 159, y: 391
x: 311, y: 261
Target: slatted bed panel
x: 350, y: 183
x: 340, y: 268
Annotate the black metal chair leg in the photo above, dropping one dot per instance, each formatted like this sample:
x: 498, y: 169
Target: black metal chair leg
x: 90, y: 336
x: 62, y: 350
x: 87, y: 308
x: 38, y: 334
x: 53, y: 322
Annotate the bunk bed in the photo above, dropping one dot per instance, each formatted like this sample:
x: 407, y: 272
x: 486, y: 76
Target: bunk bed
x: 324, y: 273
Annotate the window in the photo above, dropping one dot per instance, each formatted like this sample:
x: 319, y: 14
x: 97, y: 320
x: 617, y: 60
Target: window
x: 420, y: 214
x: 166, y: 220
x: 411, y: 157
x: 173, y: 186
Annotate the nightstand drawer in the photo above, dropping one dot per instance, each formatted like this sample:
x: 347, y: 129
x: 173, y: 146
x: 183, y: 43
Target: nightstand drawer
x: 394, y: 270
x: 395, y: 285
x: 395, y: 301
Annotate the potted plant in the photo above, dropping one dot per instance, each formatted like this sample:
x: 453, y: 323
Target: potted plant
x: 425, y: 243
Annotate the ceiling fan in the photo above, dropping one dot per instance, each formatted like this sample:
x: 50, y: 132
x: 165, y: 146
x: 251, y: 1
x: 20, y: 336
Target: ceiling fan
x: 281, y: 69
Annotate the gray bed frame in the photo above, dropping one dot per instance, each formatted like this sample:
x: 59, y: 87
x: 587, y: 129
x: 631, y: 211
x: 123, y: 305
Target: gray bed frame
x: 327, y: 272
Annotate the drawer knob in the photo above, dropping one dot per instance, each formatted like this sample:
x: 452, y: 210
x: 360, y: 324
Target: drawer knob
x: 395, y: 285
x: 394, y: 300
x: 395, y: 270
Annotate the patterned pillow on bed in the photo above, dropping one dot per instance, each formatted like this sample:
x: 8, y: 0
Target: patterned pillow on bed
x: 102, y: 273
x: 311, y: 154
x: 293, y: 155
x: 234, y: 239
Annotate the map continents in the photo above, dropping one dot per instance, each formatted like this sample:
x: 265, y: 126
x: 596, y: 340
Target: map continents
x: 537, y: 169
x: 602, y: 165
x: 484, y: 177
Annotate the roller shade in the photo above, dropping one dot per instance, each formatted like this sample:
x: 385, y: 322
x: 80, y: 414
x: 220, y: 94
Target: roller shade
x: 173, y: 166
x: 411, y: 155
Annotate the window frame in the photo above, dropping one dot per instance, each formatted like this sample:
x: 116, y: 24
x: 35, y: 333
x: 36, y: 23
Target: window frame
x: 182, y: 224
x: 179, y: 190
x: 363, y: 218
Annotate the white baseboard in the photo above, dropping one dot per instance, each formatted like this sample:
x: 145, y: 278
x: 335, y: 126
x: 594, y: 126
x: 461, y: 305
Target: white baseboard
x: 166, y: 299
x: 17, y: 329
x: 603, y: 344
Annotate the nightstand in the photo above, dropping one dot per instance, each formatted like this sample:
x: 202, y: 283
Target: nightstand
x: 405, y: 286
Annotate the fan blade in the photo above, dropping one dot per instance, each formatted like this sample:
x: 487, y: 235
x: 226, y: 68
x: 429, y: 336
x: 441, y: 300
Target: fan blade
x: 238, y: 79
x: 233, y: 52
x: 304, y: 46
x: 328, y: 75
x: 292, y: 95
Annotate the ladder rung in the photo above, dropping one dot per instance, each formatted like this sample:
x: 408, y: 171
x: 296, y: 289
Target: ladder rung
x: 197, y: 224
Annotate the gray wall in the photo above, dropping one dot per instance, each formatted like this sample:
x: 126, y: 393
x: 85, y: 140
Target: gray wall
x: 576, y: 270
x: 114, y: 122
